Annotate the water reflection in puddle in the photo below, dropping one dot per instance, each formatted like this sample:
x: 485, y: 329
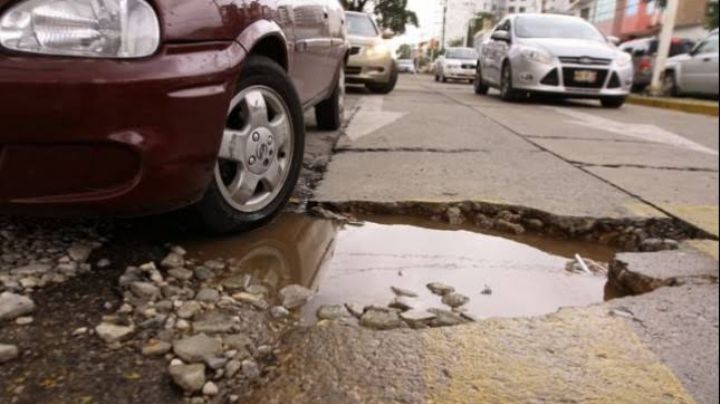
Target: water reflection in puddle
x: 358, y: 264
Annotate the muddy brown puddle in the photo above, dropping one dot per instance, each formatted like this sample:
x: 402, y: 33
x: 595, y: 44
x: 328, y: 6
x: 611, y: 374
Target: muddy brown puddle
x: 360, y: 263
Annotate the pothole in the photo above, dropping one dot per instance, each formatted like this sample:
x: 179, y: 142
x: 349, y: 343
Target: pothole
x: 503, y: 276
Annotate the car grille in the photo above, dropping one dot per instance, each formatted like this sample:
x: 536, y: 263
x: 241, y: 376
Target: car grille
x: 614, y: 81
x: 467, y: 66
x: 583, y: 60
x: 353, y: 70
x: 355, y: 50
x: 551, y: 79
x: 569, y: 78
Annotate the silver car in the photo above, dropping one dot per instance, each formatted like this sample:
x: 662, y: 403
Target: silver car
x: 695, y: 72
x: 553, y: 54
x: 456, y: 64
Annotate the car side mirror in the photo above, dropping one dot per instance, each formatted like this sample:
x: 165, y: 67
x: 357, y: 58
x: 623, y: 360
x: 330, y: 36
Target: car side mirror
x: 638, y: 53
x: 388, y: 34
x: 503, y: 36
x: 613, y: 40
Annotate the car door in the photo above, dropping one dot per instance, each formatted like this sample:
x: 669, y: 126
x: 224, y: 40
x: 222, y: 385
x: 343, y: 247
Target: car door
x: 313, y: 44
x: 499, y: 50
x: 699, y: 73
x: 337, y: 31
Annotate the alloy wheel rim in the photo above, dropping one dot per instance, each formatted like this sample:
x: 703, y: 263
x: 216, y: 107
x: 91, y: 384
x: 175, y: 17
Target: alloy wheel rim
x: 506, y: 81
x: 256, y: 149
x: 341, y: 95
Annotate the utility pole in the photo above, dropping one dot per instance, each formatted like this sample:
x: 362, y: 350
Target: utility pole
x: 444, y: 22
x: 668, y: 26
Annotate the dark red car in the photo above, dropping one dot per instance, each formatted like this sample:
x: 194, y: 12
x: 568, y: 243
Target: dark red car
x: 127, y: 107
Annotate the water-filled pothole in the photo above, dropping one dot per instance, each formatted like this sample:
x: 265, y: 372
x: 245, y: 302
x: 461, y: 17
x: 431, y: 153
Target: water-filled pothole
x: 525, y: 274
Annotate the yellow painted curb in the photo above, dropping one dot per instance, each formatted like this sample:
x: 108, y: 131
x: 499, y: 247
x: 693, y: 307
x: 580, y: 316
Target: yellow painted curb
x: 677, y: 104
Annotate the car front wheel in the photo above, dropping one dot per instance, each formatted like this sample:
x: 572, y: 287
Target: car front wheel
x: 612, y: 102
x: 669, y: 84
x: 507, y: 92
x: 260, y: 153
x: 480, y: 87
x: 385, y: 88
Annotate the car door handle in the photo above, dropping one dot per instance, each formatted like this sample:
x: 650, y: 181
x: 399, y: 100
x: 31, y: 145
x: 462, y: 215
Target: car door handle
x: 326, y: 15
x: 707, y: 59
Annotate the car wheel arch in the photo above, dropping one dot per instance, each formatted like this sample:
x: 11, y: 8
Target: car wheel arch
x: 266, y: 38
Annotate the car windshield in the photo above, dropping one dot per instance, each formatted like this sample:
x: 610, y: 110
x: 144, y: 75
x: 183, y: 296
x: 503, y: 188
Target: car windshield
x: 405, y: 62
x: 361, y: 25
x: 461, y: 53
x: 556, y: 27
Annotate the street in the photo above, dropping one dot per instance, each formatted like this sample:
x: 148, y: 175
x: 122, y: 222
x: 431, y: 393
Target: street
x: 536, y: 251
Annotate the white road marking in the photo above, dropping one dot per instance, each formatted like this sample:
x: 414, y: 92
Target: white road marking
x: 650, y: 133
x: 370, y: 118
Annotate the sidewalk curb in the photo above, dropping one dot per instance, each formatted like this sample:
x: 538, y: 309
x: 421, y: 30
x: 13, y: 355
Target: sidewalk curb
x: 691, y: 106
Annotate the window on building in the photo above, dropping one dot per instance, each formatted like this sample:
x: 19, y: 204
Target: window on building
x: 585, y: 13
x: 511, y: 9
x: 521, y: 10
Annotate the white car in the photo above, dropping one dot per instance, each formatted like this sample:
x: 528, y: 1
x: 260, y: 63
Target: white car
x: 456, y: 64
x: 695, y: 72
x: 555, y: 55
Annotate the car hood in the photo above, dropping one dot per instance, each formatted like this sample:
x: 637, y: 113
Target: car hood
x: 461, y: 61
x: 363, y: 40
x: 573, y: 47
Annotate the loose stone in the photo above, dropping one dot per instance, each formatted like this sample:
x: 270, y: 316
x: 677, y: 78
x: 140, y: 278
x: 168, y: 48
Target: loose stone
x: 111, y: 333
x: 455, y: 299
x: 208, y: 295
x: 331, y: 312
x: 278, y: 312
x: 381, y: 319
x: 197, y: 348
x: 403, y: 292
x: 210, y: 389
x: 440, y: 289
x: 156, y: 347
x: 294, y: 296
x: 8, y: 352
x: 13, y: 305
x: 190, y: 378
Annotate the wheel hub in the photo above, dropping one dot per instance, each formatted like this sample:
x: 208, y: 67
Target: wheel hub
x: 260, y: 150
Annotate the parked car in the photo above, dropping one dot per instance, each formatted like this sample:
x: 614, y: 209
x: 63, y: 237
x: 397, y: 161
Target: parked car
x: 553, y: 55
x: 371, y: 62
x: 456, y: 64
x: 127, y: 107
x: 406, y: 66
x: 695, y: 72
x: 644, y: 52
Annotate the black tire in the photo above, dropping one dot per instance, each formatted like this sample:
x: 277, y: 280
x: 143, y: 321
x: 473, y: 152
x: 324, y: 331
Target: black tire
x: 507, y: 92
x: 480, y: 87
x: 669, y: 84
x: 385, y: 88
x: 612, y: 102
x: 216, y: 214
x: 329, y: 114
x: 443, y: 78
x: 437, y: 78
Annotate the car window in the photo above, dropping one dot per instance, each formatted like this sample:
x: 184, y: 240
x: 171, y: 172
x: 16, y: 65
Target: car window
x: 546, y: 26
x: 361, y: 25
x: 709, y: 45
x: 461, y: 53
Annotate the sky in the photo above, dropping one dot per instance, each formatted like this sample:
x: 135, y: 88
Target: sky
x: 425, y: 10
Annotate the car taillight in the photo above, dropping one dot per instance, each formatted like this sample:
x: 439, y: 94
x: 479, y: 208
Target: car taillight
x: 645, y: 64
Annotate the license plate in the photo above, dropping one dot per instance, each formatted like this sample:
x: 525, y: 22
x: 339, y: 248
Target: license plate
x: 585, y: 76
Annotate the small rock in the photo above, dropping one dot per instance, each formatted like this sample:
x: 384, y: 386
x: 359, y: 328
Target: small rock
x: 111, y: 333
x: 257, y: 290
x: 278, y: 312
x: 294, y: 296
x: 182, y: 324
x: 144, y: 290
x: 80, y: 331
x: 355, y: 309
x: 250, y: 369
x: 13, y: 305
x: 216, y: 362
x: 29, y: 282
x: 25, y: 320
x: 155, y: 347
x: 440, y: 289
x: 173, y: 260
x: 535, y: 224
x: 210, y: 389
x: 80, y: 252
x: 445, y: 318
x: 178, y: 250
x: 454, y: 216
x: 188, y: 309
x: 401, y: 303
x: 103, y: 263
x: 176, y: 362
x: 403, y: 292
x: 331, y: 312
x: 32, y: 269
x: 417, y: 318
x: 509, y: 227
x: 254, y: 300
x: 487, y: 291
x: 190, y: 378
x: 197, y: 348
x: 232, y: 367
x: 239, y: 342
x: 203, y: 273
x: 208, y: 295
x: 8, y: 352
x: 455, y: 299
x: 381, y: 319
x: 656, y: 244
x: 181, y: 274
x: 213, y: 322
x: 214, y: 265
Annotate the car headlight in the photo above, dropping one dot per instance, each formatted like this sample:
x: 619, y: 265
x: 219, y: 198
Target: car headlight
x: 87, y: 28
x: 537, y: 55
x: 623, y: 59
x: 377, y: 50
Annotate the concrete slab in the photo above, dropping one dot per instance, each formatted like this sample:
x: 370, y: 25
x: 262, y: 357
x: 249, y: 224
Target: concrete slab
x: 680, y: 326
x: 690, y: 195
x: 577, y: 355
x: 633, y: 154
x: 531, y: 179
x: 644, y: 272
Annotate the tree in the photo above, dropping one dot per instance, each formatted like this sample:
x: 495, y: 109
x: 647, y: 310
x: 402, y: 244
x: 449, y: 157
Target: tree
x: 391, y: 14
x: 711, y: 17
x: 405, y: 51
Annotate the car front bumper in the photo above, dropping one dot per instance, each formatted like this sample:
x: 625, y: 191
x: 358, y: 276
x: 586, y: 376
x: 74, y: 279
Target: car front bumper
x: 459, y: 73
x: 364, y: 69
x: 112, y: 137
x: 558, y: 78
